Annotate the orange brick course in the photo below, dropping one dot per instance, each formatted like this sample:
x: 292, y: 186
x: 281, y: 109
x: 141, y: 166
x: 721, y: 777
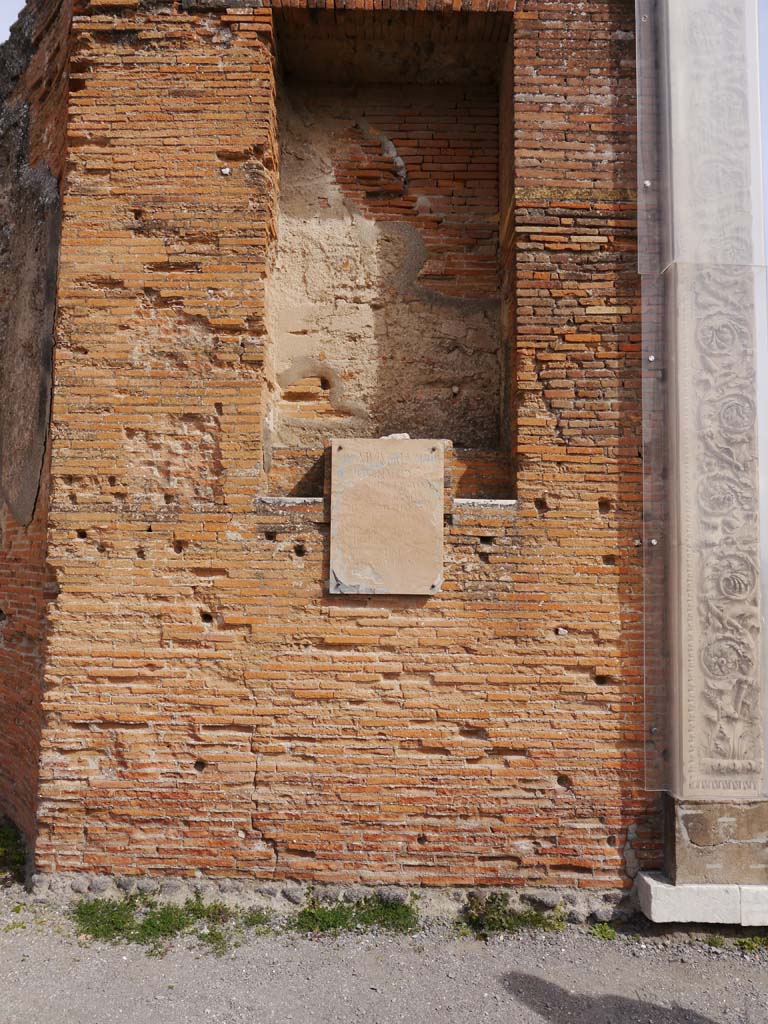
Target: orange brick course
x: 207, y: 706
x: 449, y: 141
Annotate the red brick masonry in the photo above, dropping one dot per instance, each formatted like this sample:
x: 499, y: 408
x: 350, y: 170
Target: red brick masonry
x: 206, y: 705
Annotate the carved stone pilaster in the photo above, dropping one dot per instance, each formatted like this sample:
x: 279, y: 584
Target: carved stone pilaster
x: 716, y: 534
x: 709, y: 258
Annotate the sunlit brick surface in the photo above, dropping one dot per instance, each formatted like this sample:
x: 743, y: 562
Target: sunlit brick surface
x: 208, y: 706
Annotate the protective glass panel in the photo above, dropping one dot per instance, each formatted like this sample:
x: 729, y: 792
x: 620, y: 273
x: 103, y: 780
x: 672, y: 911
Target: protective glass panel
x: 653, y: 223
x: 656, y: 537
x: 652, y: 134
x: 705, y: 405
x: 709, y: 110
x: 761, y: 389
x: 762, y: 374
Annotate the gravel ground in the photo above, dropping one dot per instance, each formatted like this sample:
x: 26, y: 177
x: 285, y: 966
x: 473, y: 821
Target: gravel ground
x: 50, y: 976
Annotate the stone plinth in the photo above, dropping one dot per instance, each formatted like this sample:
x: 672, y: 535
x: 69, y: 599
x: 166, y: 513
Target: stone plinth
x: 717, y: 843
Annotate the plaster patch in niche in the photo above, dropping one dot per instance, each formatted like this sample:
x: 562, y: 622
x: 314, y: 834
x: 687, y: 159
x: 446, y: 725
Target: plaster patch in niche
x: 362, y: 295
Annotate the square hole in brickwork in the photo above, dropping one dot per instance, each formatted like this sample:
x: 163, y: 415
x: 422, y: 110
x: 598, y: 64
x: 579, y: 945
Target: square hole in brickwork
x: 390, y: 279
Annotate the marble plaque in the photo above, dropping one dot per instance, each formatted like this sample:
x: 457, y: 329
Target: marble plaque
x: 386, y: 516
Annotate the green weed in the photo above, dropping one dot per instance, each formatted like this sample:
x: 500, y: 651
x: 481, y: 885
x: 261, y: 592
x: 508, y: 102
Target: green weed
x: 489, y: 915
x: 259, y: 920
x: 388, y: 915
x: 214, y: 913
x: 107, y: 920
x: 752, y: 943
x: 604, y: 931
x: 13, y: 856
x: 216, y: 939
x: 716, y: 941
x: 316, y: 918
x: 144, y: 921
x: 159, y: 924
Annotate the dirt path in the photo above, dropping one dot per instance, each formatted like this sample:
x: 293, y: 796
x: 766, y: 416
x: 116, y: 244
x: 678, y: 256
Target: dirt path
x: 50, y: 977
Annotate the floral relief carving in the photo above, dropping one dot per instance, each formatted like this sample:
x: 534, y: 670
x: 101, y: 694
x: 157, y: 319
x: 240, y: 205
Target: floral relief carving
x: 726, y: 720
x: 720, y: 334
x: 731, y: 576
x: 716, y: 325
x: 737, y: 415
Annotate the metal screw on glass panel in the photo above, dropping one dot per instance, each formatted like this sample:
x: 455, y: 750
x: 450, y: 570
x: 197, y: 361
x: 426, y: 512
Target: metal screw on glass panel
x: 646, y: 184
x: 654, y: 542
x: 651, y: 359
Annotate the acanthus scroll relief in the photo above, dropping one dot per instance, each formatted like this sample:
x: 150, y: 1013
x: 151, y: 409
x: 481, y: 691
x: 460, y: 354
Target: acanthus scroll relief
x: 727, y: 728
x: 717, y: 321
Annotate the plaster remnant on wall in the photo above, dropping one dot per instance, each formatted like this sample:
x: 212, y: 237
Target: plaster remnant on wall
x: 30, y: 215
x: 179, y: 457
x: 356, y: 295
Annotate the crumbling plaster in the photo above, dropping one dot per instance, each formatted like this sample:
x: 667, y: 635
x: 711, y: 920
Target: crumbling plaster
x: 356, y: 300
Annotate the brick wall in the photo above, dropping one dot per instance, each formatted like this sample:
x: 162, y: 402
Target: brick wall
x: 447, y: 139
x: 33, y: 106
x: 208, y: 706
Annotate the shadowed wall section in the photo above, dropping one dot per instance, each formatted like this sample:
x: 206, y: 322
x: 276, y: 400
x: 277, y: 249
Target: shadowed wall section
x: 33, y: 95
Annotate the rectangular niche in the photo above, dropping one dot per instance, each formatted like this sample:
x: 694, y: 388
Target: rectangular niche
x: 385, y: 298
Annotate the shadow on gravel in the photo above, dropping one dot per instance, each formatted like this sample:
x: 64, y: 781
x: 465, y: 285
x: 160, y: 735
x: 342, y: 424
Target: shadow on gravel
x: 559, y: 1006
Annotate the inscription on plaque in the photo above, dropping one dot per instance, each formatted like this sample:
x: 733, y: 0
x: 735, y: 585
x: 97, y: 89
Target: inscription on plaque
x: 386, y: 516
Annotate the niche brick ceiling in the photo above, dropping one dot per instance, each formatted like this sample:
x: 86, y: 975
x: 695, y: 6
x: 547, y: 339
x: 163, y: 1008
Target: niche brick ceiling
x: 364, y: 47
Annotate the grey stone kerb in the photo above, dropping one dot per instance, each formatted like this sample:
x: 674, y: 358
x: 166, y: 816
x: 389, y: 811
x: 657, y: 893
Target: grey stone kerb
x: 702, y: 260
